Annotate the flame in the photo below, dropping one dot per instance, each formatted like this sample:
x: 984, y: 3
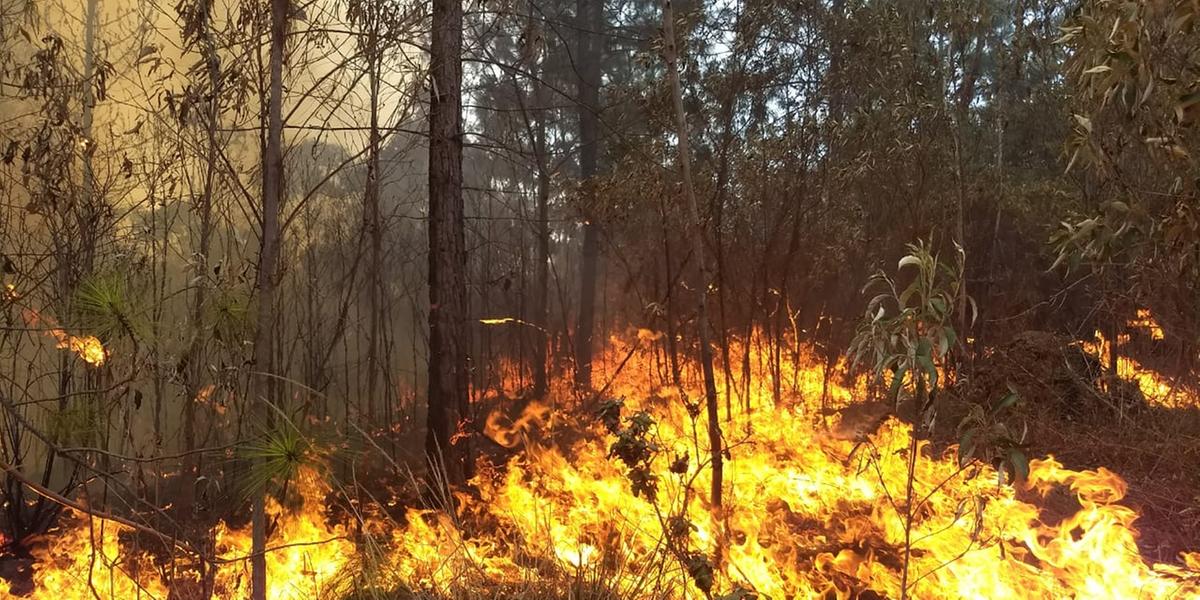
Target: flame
x: 510, y: 434
x: 806, y: 514
x: 87, y: 347
x: 1145, y: 321
x: 87, y: 554
x: 305, y: 554
x: 304, y: 560
x: 1157, y: 389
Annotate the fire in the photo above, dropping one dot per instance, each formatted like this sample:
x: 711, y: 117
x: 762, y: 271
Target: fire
x: 1145, y: 321
x: 805, y: 515
x: 305, y: 557
x: 87, y: 554
x: 1155, y: 388
x: 87, y: 347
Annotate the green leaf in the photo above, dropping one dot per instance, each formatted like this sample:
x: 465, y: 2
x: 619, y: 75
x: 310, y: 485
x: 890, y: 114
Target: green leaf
x: 925, y: 360
x: 966, y: 448
x: 897, y: 381
x: 1020, y: 464
x: 939, y: 306
x: 1005, y: 402
x: 1062, y: 256
x: 951, y: 335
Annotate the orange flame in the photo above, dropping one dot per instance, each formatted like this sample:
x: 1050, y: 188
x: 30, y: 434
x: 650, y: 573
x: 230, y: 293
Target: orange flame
x: 1155, y: 388
x: 805, y: 515
x: 87, y: 347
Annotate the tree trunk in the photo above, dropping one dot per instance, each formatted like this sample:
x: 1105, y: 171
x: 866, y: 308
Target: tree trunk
x: 589, y: 14
x: 689, y: 192
x: 261, y: 384
x: 192, y: 365
x: 669, y: 316
x: 90, y: 26
x: 447, y: 394
x: 374, y: 219
x: 966, y: 96
x: 542, y: 293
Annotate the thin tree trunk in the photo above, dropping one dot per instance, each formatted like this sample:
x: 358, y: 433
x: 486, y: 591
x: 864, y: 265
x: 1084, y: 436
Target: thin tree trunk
x: 90, y: 26
x: 689, y: 192
x: 542, y: 293
x: 589, y: 14
x: 966, y: 95
x: 447, y: 394
x: 193, y: 368
x: 672, y: 342
x: 375, y: 225
x: 261, y: 384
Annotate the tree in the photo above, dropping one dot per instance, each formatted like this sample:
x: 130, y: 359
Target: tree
x: 589, y: 15
x: 448, y: 377
x: 198, y: 32
x: 689, y: 194
x: 261, y: 388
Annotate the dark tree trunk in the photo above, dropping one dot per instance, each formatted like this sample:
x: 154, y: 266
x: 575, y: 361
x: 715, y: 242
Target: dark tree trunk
x: 447, y: 250
x: 590, y: 17
x: 542, y: 293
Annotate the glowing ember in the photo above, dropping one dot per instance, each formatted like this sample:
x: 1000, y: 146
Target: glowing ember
x: 807, y: 515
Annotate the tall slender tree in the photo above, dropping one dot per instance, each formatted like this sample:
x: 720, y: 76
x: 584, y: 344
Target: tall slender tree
x: 261, y: 381
x: 589, y: 16
x: 542, y: 268
x: 447, y: 392
x: 671, y: 54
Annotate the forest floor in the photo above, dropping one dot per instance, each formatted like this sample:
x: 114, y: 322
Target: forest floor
x: 1155, y: 449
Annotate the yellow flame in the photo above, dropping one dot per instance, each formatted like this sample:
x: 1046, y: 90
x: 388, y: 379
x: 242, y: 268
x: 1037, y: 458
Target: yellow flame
x: 1145, y: 320
x: 806, y: 514
x: 1157, y: 389
x: 87, y: 347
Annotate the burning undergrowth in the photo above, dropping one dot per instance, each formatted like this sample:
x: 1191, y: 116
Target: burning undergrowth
x: 607, y: 497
